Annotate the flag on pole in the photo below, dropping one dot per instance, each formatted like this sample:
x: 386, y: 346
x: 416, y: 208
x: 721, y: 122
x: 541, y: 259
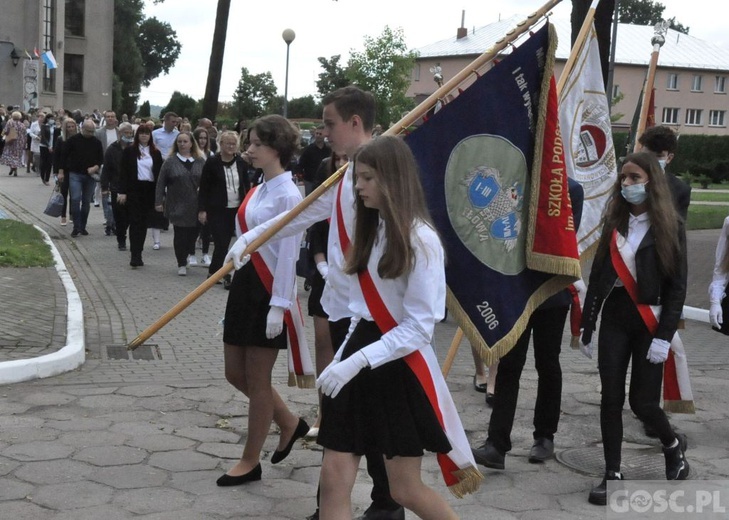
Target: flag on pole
x: 584, y: 118
x: 49, y: 60
x: 492, y: 167
x: 36, y: 52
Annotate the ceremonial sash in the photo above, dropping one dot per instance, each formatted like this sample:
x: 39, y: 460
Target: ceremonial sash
x: 457, y: 466
x: 301, y: 369
x: 677, y: 394
x: 341, y: 229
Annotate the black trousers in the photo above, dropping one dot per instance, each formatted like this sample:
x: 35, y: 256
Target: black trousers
x: 121, y: 218
x: 184, y: 243
x: 140, y: 210
x: 222, y: 227
x: 547, y: 325
x: 623, y: 336
x: 46, y: 163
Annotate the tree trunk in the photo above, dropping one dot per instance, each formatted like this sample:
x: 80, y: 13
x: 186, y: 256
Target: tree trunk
x: 215, y: 70
x: 603, y: 25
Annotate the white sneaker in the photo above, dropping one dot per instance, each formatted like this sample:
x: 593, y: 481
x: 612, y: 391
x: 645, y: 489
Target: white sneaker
x: 206, y: 260
x: 182, y: 271
x: 155, y: 246
x: 192, y: 261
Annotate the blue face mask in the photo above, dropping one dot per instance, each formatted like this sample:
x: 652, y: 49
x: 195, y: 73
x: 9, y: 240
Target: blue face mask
x: 635, y: 193
x: 127, y: 139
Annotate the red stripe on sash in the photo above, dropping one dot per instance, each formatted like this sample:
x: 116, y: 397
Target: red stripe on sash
x: 264, y: 273
x: 341, y: 229
x: 631, y: 285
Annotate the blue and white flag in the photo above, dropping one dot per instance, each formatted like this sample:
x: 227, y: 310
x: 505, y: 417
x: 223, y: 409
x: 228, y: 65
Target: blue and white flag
x: 49, y: 60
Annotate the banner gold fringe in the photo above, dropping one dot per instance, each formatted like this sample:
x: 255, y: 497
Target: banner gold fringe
x: 304, y: 381
x: 469, y: 480
x: 679, y: 406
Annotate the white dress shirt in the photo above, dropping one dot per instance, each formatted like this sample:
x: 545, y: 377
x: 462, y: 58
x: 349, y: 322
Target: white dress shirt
x: 720, y: 278
x: 271, y: 198
x: 416, y: 300
x: 144, y: 165
x: 637, y: 229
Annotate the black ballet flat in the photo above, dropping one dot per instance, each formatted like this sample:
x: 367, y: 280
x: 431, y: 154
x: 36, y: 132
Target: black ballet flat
x: 301, y: 430
x: 229, y: 480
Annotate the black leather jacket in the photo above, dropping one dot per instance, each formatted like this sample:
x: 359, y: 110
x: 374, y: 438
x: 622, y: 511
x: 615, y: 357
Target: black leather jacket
x: 653, y: 287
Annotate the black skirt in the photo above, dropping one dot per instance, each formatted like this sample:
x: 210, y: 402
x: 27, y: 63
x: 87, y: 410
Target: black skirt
x: 314, y: 303
x: 247, y: 310
x: 382, y: 410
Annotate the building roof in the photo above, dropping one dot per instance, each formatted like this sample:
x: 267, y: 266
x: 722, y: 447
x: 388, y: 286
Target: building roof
x: 633, y: 45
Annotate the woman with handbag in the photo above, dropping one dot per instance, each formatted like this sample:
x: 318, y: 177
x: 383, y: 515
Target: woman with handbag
x: 718, y: 285
x: 15, y: 138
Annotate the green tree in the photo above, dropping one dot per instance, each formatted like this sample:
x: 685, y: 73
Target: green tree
x: 646, y: 12
x: 304, y: 108
x: 183, y: 105
x: 333, y: 77
x: 384, y: 68
x: 253, y: 95
x: 159, y: 46
x: 215, y: 67
x: 144, y: 110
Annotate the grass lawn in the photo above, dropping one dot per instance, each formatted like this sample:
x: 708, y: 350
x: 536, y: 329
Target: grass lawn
x: 709, y: 195
x: 706, y: 217
x: 21, y: 245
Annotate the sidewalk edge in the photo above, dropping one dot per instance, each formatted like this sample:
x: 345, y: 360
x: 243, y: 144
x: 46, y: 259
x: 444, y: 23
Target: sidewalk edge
x: 73, y: 354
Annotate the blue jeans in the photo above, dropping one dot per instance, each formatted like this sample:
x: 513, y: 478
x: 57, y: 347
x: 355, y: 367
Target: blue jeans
x: 81, y: 190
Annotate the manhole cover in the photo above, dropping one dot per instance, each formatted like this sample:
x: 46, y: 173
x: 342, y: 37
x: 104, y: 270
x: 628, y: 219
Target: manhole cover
x: 638, y: 464
x: 144, y: 352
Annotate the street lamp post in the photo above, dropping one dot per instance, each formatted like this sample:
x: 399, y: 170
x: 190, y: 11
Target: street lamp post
x: 288, y: 36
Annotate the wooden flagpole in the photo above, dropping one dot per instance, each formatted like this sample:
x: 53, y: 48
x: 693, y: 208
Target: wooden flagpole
x: 659, y: 38
x: 448, y: 362
x: 579, y: 42
x: 404, y: 123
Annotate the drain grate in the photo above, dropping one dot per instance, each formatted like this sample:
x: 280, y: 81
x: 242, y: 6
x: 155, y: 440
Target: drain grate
x: 637, y: 464
x: 142, y: 353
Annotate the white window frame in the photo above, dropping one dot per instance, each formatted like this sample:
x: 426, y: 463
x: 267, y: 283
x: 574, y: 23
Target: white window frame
x: 720, y: 85
x: 693, y: 116
x: 697, y: 83
x: 672, y: 82
x: 717, y: 118
x: 670, y: 116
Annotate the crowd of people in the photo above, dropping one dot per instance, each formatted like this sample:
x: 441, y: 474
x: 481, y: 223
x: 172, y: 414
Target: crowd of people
x: 377, y: 288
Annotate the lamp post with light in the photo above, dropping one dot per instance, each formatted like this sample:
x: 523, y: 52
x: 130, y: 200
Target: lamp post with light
x: 288, y: 36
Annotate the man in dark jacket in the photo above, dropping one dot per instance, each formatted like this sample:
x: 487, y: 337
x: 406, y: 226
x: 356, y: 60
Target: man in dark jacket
x: 110, y: 183
x: 311, y: 158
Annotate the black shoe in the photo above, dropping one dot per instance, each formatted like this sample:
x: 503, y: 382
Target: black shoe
x: 542, y: 449
x: 136, y: 261
x: 383, y: 514
x: 251, y: 476
x: 677, y: 467
x: 598, y: 494
x: 75, y: 233
x: 301, y: 430
x: 122, y: 246
x: 479, y: 387
x: 107, y: 231
x: 490, y: 399
x: 315, y: 516
x: 488, y: 455
x: 84, y: 232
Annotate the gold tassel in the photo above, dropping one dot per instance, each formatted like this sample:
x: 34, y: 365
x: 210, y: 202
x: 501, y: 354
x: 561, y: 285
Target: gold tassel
x: 469, y: 480
x: 575, y: 343
x: 302, y: 381
x: 679, y: 406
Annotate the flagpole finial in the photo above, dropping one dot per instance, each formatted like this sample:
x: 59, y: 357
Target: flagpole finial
x: 659, y: 33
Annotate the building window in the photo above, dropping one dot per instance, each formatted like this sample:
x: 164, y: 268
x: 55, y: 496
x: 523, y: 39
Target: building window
x: 672, y: 83
x: 616, y: 91
x: 49, y: 43
x: 696, y: 83
x: 693, y: 116
x: 670, y: 116
x: 73, y: 73
x: 416, y: 72
x: 720, y: 85
x: 75, y: 18
x: 716, y: 117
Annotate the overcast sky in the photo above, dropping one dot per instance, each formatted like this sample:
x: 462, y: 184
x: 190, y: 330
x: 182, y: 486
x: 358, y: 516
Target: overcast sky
x: 327, y: 27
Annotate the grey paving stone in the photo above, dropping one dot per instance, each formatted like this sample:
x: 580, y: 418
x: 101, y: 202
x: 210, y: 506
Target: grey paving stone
x: 138, y: 429
x: 81, y: 439
x: 72, y: 495
x: 39, y: 433
x: 40, y: 450
x: 11, y: 489
x: 103, y: 512
x: 11, y: 408
x: 80, y: 424
x: 208, y: 434
x: 185, y: 418
x: 87, y: 390
x: 181, y: 515
x: 196, y: 482
x: 7, y: 465
x: 153, y: 500
x: 162, y: 442
x: 110, y: 455
x: 47, y: 398
x: 107, y: 402
x: 129, y: 477
x: 235, y: 503
x: 183, y: 461
x: 53, y: 471
x: 209, y: 393
x: 221, y: 450
x: 24, y: 510
x: 165, y: 403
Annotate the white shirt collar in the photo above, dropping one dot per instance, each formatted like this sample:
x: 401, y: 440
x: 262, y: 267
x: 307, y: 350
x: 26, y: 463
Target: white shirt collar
x: 278, y: 180
x: 185, y: 159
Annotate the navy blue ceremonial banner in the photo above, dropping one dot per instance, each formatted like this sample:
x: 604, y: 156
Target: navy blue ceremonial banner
x: 475, y: 155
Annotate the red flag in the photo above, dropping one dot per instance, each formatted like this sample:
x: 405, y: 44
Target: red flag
x: 36, y: 52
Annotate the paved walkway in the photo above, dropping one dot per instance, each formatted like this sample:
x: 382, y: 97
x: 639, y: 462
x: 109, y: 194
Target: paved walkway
x: 129, y: 437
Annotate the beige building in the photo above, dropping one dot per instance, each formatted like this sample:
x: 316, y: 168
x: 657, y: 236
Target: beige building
x: 79, y: 33
x: 691, y: 80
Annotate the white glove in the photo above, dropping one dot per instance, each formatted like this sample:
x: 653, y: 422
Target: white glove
x: 587, y: 350
x: 716, y: 316
x: 323, y: 269
x: 274, y: 322
x: 658, y: 351
x: 581, y: 290
x: 337, y: 374
x: 236, y: 252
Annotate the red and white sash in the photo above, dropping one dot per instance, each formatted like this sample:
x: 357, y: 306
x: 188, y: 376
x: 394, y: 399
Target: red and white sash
x: 301, y: 369
x: 677, y: 394
x: 458, y: 466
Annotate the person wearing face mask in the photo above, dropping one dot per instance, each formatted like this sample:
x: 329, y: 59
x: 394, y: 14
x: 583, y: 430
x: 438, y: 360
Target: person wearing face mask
x: 49, y: 135
x: 110, y: 183
x: 638, y: 278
